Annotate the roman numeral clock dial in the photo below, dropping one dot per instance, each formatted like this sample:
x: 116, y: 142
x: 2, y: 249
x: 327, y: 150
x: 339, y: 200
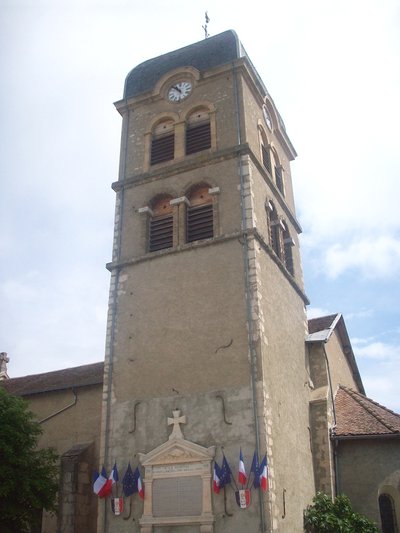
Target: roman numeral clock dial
x: 179, y: 91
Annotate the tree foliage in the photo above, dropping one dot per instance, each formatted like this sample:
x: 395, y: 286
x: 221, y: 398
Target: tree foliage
x: 337, y: 516
x: 28, y: 476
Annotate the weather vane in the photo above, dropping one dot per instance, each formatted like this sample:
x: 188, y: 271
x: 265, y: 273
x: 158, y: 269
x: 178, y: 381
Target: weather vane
x: 206, y: 34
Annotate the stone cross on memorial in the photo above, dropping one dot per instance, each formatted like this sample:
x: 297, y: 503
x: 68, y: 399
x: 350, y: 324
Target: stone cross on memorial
x: 176, y: 432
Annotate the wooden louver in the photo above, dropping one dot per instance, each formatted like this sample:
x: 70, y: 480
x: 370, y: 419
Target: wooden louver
x: 198, y: 137
x: 161, y: 233
x: 279, y: 179
x: 200, y: 222
x: 266, y: 158
x: 289, y: 256
x: 162, y: 148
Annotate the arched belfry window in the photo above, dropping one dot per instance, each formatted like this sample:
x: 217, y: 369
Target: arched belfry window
x: 265, y: 152
x: 199, y: 219
x: 198, y: 131
x: 161, y: 224
x: 388, y: 515
x: 278, y: 173
x: 275, y: 227
x: 162, y: 142
x: 288, y: 244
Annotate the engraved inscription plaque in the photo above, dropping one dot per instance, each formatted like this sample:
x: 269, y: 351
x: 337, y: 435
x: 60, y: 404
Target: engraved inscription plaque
x: 177, y: 483
x: 179, y: 496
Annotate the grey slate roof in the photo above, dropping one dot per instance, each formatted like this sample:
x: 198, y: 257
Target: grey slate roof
x: 68, y: 378
x: 208, y: 53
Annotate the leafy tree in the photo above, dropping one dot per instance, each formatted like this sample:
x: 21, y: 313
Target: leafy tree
x: 28, y: 476
x: 327, y: 516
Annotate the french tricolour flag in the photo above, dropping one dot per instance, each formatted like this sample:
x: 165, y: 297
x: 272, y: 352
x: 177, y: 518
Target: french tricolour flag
x: 263, y: 473
x: 102, y: 486
x: 216, y: 479
x: 242, y: 472
x: 140, y: 485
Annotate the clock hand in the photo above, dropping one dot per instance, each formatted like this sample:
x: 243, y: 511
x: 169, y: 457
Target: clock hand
x: 177, y: 89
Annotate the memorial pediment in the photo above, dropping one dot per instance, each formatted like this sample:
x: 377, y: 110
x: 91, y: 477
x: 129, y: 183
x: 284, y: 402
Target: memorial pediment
x: 177, y: 482
x: 177, y: 451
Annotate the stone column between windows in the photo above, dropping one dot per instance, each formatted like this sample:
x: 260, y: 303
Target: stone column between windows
x: 180, y: 144
x: 144, y: 228
x: 214, y: 192
x: 213, y: 130
x: 179, y: 205
x: 147, y: 151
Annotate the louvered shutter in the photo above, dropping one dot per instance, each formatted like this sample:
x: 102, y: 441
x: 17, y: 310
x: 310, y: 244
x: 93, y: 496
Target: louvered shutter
x: 266, y: 158
x: 198, y: 132
x: 200, y: 222
x: 161, y: 233
x: 163, y: 143
x: 279, y: 179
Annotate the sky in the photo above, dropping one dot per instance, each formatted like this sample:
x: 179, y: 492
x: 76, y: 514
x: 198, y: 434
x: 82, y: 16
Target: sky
x: 333, y: 70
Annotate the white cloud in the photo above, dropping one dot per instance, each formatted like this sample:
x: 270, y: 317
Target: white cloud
x: 378, y: 350
x: 315, y: 312
x: 379, y: 258
x: 383, y: 386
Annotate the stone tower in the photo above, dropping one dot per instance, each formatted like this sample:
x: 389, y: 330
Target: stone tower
x: 206, y: 316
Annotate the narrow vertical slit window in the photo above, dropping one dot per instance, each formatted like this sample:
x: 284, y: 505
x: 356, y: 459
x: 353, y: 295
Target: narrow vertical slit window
x: 198, y: 132
x: 163, y: 142
x: 161, y: 226
x: 200, y: 216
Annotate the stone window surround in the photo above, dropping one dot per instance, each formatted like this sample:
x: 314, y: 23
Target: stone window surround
x: 283, y: 227
x: 273, y: 156
x: 180, y: 121
x: 179, y: 216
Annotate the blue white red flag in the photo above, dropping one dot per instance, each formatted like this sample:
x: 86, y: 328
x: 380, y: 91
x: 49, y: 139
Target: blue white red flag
x: 263, y: 476
x: 242, y: 478
x: 99, y: 480
x: 216, y: 478
x: 139, y: 483
x: 102, y: 485
x: 112, y: 479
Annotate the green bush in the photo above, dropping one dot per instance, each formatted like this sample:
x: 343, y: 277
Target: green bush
x: 28, y: 476
x: 327, y: 516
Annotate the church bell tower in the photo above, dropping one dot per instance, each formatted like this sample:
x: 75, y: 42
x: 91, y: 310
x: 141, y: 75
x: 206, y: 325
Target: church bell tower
x: 206, y: 317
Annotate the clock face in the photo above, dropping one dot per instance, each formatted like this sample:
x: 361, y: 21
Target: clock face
x: 179, y: 91
x: 267, y: 117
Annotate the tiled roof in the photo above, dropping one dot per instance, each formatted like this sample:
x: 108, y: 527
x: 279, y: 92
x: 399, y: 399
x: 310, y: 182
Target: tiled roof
x: 80, y: 376
x: 359, y: 416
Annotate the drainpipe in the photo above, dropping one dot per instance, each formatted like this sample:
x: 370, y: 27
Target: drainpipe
x: 334, y: 443
x: 253, y: 355
x: 61, y: 410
